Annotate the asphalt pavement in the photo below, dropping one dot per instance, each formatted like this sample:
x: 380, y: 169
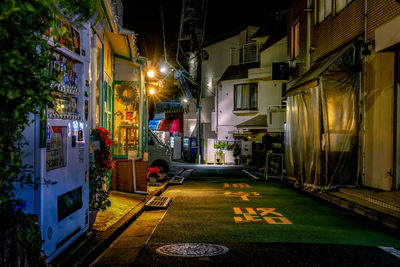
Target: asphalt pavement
x: 262, y: 223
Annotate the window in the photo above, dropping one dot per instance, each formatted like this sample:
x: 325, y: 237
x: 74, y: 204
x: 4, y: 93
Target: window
x: 126, y: 118
x: 246, y: 96
x: 324, y: 8
x: 99, y: 78
x: 340, y: 4
x: 295, y: 42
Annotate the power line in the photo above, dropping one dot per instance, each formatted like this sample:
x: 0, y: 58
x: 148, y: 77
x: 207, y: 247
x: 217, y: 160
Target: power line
x: 163, y: 29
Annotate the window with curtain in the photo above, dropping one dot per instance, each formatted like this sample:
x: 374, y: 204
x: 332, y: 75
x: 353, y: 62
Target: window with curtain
x: 340, y: 4
x: 324, y: 9
x: 246, y: 96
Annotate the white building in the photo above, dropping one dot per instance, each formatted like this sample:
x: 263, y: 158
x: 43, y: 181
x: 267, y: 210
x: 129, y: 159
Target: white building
x: 248, y: 101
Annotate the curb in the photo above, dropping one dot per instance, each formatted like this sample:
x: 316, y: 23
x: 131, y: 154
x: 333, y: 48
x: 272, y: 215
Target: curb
x: 388, y: 221
x: 91, y: 245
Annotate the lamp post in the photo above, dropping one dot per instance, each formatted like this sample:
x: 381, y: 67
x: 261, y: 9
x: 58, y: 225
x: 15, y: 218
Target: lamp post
x: 150, y: 91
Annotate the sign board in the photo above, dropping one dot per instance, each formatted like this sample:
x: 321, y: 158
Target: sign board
x: 274, y: 166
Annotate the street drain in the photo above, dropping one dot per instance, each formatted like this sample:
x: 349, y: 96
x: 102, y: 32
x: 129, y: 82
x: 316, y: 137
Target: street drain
x: 192, y: 250
x: 158, y: 202
x: 177, y: 180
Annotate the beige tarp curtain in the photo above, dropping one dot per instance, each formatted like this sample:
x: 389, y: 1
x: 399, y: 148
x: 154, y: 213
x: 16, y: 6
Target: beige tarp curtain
x: 321, y: 137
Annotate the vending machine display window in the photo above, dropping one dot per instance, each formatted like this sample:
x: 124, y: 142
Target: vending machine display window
x: 56, y: 147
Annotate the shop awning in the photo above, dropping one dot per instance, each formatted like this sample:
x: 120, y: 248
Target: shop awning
x: 175, y: 126
x: 122, y: 44
x: 165, y: 125
x: 153, y: 124
x: 317, y: 69
x: 258, y: 122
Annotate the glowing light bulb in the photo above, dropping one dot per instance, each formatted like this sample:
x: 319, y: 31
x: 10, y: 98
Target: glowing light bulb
x: 151, y: 74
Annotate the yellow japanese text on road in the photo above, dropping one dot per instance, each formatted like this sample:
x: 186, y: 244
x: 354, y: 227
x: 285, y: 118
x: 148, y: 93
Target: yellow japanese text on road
x: 241, y: 185
x: 243, y: 195
x: 269, y: 215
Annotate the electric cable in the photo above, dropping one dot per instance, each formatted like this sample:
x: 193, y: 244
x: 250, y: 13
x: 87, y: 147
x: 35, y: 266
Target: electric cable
x: 180, y: 36
x: 204, y: 23
x: 163, y: 30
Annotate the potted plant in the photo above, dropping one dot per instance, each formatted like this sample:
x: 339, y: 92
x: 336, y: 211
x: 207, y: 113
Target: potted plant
x: 220, y: 155
x: 236, y: 151
x: 242, y: 159
x: 153, y: 175
x: 99, y: 169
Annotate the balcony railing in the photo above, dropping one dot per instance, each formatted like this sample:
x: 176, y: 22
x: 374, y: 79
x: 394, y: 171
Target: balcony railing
x: 246, y: 53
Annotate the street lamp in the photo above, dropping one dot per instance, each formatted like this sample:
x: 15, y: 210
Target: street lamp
x: 151, y: 73
x: 152, y: 91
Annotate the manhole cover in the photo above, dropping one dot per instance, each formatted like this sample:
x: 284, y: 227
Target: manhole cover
x: 192, y: 250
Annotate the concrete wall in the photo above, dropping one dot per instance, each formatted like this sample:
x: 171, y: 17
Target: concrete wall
x: 207, y: 106
x: 380, y: 12
x: 218, y: 61
x: 378, y: 115
x: 275, y: 53
x: 189, y: 119
x: 269, y: 93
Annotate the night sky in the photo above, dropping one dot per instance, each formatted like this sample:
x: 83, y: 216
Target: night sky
x: 223, y: 16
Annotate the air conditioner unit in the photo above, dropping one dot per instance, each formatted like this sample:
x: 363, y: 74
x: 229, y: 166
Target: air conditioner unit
x: 280, y: 71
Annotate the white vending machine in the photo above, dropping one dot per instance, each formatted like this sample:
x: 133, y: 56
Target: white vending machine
x: 58, y: 148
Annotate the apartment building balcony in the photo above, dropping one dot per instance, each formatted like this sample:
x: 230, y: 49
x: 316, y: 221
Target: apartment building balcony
x: 247, y: 53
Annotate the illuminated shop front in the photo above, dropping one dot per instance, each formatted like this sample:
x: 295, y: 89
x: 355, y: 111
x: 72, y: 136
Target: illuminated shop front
x: 126, y: 119
x: 117, y: 96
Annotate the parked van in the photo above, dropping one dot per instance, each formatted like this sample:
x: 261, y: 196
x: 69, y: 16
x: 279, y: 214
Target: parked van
x: 160, y: 155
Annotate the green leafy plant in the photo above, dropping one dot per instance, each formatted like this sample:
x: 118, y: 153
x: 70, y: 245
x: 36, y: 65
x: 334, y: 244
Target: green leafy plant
x: 31, y: 238
x: 99, y: 169
x: 236, y: 151
x: 221, y: 145
x: 98, y: 196
x: 26, y: 92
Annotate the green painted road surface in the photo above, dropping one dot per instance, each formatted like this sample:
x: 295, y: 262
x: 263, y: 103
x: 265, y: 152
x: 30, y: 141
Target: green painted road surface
x: 204, y: 210
x: 228, y: 207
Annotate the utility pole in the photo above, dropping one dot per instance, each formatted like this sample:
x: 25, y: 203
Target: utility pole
x: 191, y: 40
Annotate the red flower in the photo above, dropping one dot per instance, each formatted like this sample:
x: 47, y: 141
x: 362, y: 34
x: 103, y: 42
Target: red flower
x: 154, y: 170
